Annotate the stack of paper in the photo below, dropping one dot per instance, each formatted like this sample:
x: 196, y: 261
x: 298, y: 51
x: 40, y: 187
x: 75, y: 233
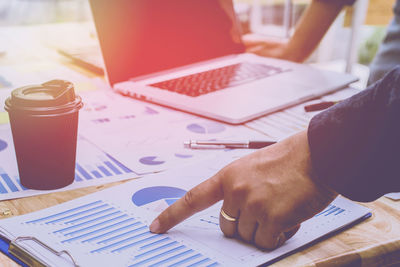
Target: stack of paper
x: 148, y: 138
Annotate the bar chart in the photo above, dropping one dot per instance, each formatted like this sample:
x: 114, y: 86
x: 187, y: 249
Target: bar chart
x: 100, y: 228
x: 93, y: 167
x: 10, y: 185
x: 106, y: 166
x: 109, y: 167
x: 331, y: 210
x: 111, y: 227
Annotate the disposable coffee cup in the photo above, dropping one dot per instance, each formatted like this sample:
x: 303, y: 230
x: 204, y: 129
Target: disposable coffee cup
x: 44, y: 124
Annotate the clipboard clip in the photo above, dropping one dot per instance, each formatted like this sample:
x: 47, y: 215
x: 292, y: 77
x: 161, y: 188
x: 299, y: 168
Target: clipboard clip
x: 31, y: 260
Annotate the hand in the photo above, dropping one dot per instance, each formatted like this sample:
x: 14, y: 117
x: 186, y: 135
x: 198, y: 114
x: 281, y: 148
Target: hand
x: 268, y: 48
x: 269, y: 192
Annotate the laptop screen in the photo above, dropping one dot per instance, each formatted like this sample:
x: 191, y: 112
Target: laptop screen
x: 140, y: 37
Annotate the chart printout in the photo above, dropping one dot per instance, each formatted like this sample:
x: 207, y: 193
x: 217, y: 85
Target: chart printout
x: 93, y: 167
x: 110, y: 227
x: 149, y: 138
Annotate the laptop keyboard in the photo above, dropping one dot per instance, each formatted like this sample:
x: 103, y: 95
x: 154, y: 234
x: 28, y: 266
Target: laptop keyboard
x: 217, y: 79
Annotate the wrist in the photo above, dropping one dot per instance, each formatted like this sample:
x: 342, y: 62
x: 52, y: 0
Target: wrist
x: 300, y: 158
x: 294, y: 52
x: 324, y: 192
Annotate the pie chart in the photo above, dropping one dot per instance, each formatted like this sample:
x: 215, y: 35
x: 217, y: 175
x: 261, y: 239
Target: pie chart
x: 3, y: 145
x: 206, y: 128
x: 157, y: 198
x: 151, y: 160
x: 183, y: 156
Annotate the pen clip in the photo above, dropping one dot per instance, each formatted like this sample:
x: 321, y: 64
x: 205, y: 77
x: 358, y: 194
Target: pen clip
x: 27, y: 257
x: 215, y: 144
x: 201, y: 146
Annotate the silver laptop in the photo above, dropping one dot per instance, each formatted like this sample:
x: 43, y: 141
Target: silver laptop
x: 188, y: 55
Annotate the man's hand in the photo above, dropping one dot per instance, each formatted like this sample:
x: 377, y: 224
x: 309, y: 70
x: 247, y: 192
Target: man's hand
x: 310, y: 30
x: 269, y: 193
x: 268, y: 48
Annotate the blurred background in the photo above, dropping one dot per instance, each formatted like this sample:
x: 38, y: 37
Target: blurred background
x: 272, y: 18
x: 27, y: 12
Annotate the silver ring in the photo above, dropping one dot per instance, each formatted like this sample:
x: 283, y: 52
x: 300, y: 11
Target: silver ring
x: 227, y: 217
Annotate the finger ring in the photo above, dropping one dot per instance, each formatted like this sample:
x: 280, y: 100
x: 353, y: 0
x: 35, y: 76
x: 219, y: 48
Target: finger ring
x: 227, y: 217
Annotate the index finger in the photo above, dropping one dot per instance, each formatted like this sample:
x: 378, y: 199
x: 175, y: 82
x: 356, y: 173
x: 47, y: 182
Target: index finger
x: 198, y: 198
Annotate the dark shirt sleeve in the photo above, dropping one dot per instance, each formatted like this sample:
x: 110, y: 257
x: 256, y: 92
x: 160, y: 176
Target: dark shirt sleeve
x: 355, y: 145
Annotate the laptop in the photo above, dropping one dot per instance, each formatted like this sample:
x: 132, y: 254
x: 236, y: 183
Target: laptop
x: 189, y: 55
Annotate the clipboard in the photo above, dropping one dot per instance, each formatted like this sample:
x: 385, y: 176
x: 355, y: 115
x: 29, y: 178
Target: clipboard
x: 110, y: 227
x: 4, y: 245
x: 20, y: 255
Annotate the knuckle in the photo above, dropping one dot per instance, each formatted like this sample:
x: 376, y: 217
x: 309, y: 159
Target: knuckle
x: 238, y: 190
x: 226, y: 172
x: 255, y: 206
x: 188, y: 200
x: 278, y: 218
x: 231, y: 169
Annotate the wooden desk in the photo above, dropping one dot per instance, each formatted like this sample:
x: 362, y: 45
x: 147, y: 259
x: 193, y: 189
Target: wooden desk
x: 374, y: 242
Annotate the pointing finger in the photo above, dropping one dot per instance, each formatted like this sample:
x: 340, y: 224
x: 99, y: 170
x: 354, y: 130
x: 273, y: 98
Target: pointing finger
x: 198, y: 198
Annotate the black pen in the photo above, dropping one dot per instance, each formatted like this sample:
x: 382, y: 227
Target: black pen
x: 320, y: 106
x: 218, y: 144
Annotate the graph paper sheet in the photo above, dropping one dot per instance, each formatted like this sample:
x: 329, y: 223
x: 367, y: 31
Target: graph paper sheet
x: 149, y: 138
x: 93, y: 167
x: 110, y: 228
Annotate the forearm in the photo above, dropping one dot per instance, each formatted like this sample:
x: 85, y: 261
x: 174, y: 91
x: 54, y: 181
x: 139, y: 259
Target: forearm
x: 312, y: 27
x: 355, y: 145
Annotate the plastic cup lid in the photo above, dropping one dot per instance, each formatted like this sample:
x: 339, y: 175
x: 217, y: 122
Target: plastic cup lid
x: 56, y: 96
